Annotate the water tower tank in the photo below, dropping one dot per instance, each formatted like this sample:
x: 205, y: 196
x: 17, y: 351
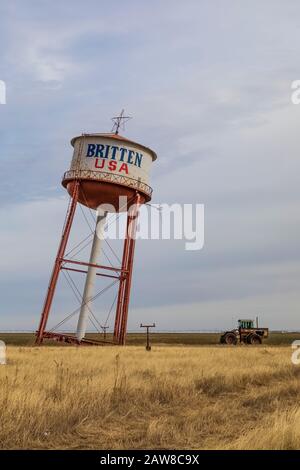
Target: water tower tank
x: 109, y: 166
x: 108, y: 173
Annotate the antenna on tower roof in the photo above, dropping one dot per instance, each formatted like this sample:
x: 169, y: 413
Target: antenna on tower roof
x: 119, y: 122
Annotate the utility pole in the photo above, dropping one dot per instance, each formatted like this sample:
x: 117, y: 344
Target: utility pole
x: 148, y: 346
x: 104, y: 328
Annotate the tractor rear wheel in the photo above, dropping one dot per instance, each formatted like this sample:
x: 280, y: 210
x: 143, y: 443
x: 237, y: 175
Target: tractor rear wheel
x: 230, y: 338
x: 255, y: 339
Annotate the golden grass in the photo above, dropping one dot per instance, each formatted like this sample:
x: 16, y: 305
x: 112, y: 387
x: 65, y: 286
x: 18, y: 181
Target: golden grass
x: 127, y: 398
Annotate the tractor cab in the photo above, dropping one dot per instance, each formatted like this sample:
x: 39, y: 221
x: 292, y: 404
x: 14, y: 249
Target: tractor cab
x: 245, y: 324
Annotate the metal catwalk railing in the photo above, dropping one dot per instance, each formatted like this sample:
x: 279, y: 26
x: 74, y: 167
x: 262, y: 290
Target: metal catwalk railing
x: 108, y: 177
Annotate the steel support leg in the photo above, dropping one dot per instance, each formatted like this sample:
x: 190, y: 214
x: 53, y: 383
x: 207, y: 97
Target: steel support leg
x: 57, y: 264
x: 127, y: 265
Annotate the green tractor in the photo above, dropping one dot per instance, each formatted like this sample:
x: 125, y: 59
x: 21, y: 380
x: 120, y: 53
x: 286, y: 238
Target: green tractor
x: 246, y: 332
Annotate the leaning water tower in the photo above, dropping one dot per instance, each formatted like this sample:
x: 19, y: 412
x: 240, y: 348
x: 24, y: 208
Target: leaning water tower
x: 108, y: 173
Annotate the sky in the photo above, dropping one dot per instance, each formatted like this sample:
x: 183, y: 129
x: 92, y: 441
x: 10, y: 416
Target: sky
x: 208, y: 84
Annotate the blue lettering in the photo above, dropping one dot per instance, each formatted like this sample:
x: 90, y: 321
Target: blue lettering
x: 107, y: 151
x: 114, y: 149
x: 122, y: 151
x: 110, y: 151
x: 99, y: 150
x: 138, y: 159
x: 91, y: 150
x: 130, y: 156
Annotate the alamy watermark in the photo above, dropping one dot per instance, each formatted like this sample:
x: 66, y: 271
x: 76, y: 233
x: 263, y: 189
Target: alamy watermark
x: 295, y: 358
x: 2, y: 353
x: 2, y: 92
x: 155, y: 222
x: 295, y: 96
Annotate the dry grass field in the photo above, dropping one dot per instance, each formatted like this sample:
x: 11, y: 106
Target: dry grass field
x: 209, y: 397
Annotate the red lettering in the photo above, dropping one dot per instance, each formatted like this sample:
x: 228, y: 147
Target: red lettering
x: 124, y: 167
x: 112, y: 165
x: 96, y: 163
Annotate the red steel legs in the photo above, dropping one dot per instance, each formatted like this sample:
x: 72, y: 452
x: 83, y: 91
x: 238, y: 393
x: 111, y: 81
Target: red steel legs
x: 57, y: 264
x: 125, y: 271
x: 127, y: 268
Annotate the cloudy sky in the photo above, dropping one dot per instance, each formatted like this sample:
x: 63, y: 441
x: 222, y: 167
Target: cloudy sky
x: 208, y: 84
